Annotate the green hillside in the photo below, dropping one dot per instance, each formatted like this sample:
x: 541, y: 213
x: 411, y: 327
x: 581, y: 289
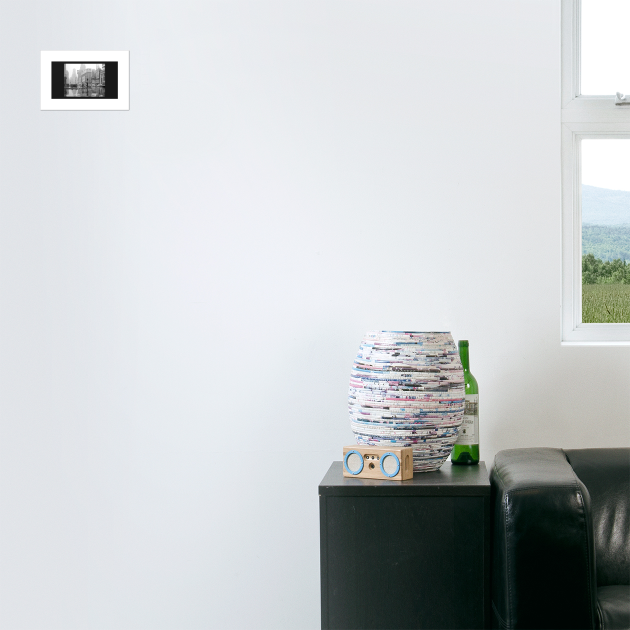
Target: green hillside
x: 607, y: 242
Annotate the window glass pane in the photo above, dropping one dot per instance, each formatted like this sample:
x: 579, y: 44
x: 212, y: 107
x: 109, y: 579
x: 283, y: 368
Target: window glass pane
x: 605, y: 231
x: 605, y: 51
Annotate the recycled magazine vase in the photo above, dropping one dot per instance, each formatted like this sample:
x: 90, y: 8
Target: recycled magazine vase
x: 407, y: 389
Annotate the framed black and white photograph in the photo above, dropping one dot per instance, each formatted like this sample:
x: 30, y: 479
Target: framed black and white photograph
x: 85, y: 80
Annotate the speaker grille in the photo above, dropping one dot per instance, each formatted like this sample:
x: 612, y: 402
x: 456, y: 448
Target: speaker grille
x: 390, y: 464
x: 354, y: 462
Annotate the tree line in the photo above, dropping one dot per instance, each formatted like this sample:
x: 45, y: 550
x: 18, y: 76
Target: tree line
x: 597, y: 271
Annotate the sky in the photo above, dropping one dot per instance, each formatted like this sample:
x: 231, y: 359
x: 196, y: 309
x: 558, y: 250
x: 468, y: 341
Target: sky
x: 605, y: 63
x: 605, y: 52
x: 72, y: 66
x: 606, y: 163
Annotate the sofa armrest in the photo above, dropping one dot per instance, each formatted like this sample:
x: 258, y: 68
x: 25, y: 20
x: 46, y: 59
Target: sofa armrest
x: 543, y: 565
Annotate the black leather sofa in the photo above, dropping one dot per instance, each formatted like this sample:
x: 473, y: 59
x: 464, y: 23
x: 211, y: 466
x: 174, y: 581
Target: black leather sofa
x: 561, y: 540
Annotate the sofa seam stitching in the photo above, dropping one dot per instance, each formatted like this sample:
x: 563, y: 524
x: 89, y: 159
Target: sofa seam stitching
x: 507, y: 546
x: 498, y: 614
x: 584, y: 535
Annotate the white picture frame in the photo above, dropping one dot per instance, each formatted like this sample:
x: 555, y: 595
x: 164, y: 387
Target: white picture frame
x: 50, y: 90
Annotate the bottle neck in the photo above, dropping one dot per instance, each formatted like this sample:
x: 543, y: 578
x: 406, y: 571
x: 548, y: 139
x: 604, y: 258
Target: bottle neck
x: 463, y: 355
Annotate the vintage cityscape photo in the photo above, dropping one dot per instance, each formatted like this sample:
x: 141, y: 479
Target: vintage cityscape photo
x: 83, y: 80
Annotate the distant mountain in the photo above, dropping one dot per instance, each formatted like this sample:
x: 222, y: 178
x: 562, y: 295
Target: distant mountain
x: 606, y: 242
x: 601, y: 206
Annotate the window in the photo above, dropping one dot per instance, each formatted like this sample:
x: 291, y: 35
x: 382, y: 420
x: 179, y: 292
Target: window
x: 595, y: 172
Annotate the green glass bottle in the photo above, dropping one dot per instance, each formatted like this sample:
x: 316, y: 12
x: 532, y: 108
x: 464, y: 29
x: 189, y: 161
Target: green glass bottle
x: 466, y: 449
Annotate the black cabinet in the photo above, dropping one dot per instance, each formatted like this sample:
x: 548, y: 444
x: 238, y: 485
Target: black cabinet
x: 406, y: 554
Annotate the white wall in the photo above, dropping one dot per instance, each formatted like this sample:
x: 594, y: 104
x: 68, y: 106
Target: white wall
x: 183, y: 286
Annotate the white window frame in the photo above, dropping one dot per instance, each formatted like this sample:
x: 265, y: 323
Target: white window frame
x: 583, y: 117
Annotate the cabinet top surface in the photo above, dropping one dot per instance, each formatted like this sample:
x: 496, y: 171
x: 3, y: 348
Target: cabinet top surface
x: 449, y: 480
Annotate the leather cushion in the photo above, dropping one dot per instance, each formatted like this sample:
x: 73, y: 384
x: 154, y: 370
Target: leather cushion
x: 613, y: 607
x: 543, y: 573
x: 606, y: 475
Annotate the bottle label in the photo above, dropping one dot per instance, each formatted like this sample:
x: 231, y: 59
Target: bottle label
x: 469, y: 431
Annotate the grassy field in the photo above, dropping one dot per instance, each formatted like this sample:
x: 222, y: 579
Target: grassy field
x: 605, y: 303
